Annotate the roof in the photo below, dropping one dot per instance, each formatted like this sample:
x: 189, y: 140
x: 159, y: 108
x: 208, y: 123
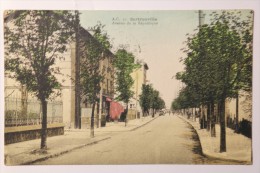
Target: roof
x: 87, y: 35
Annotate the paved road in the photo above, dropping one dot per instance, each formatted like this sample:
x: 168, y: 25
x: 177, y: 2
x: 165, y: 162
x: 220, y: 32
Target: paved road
x: 166, y: 140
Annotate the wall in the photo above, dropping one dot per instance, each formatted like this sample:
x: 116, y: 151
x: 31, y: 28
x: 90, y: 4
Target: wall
x: 139, y: 76
x: 242, y: 113
x: 25, y: 133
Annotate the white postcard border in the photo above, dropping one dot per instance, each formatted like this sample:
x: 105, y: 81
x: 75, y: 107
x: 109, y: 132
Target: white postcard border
x: 142, y: 5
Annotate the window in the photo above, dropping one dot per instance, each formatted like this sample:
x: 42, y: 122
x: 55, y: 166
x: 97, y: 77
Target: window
x: 132, y: 105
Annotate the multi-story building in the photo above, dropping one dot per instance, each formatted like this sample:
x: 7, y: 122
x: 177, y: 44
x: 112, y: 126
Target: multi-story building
x: 63, y: 106
x: 106, y: 94
x: 140, y: 77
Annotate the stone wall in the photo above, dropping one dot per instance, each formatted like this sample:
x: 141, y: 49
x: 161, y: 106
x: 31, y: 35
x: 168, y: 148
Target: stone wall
x: 25, y: 133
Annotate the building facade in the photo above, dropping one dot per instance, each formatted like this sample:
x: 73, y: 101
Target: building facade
x: 106, y: 94
x: 139, y: 76
x: 62, y: 104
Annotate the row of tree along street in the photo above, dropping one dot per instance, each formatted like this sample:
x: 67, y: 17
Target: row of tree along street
x: 150, y: 100
x: 218, y: 65
x: 36, y: 40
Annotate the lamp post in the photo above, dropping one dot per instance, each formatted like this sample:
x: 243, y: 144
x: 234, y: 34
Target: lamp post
x: 77, y: 74
x: 100, y: 92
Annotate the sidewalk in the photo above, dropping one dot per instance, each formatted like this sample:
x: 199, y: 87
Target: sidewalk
x: 239, y: 147
x: 24, y: 153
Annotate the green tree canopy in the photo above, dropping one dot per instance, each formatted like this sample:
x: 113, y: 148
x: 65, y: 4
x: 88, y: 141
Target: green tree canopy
x: 34, y: 41
x: 124, y: 63
x: 150, y: 99
x: 93, y: 50
x: 218, y: 62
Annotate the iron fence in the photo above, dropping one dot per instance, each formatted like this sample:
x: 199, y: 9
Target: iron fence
x: 20, y: 112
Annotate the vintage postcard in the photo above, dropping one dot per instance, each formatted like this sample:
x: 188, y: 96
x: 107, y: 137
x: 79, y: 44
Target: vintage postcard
x: 128, y: 87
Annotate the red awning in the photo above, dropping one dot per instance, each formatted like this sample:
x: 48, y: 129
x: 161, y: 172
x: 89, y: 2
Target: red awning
x: 115, y: 110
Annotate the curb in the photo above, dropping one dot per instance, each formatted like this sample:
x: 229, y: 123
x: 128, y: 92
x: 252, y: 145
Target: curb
x: 63, y: 152
x: 144, y: 124
x: 79, y: 146
x: 209, y: 155
x: 123, y: 130
x: 135, y: 128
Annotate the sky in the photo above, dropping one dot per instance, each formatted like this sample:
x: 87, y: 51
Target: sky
x: 157, y: 40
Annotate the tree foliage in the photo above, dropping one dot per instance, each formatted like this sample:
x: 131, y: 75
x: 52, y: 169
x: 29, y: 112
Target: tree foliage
x: 93, y: 50
x: 219, y: 57
x: 34, y: 41
x: 124, y: 63
x: 187, y: 98
x: 150, y: 99
x: 146, y: 98
x: 218, y: 63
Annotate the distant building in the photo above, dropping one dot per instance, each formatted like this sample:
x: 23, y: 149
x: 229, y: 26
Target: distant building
x: 140, y: 77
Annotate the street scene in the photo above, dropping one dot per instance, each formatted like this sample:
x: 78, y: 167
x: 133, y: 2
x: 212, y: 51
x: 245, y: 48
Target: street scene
x: 128, y: 87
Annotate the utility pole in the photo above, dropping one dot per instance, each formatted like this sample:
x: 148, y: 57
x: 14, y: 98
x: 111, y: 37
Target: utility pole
x: 24, y: 99
x: 100, y: 106
x: 100, y: 94
x: 136, y: 95
x: 201, y: 18
x: 77, y: 74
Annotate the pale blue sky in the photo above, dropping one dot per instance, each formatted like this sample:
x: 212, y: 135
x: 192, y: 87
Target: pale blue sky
x: 160, y: 44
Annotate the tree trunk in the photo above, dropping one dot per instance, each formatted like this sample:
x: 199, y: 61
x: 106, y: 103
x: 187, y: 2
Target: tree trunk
x: 97, y: 116
x: 146, y: 113
x: 126, y: 117
x: 92, y: 120
x: 222, y: 126
x: 218, y: 116
x: 237, y: 115
x: 44, y: 124
x: 77, y: 123
x: 200, y: 117
x: 208, y: 117
x: 204, y: 119
x: 212, y: 127
x: 193, y: 113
